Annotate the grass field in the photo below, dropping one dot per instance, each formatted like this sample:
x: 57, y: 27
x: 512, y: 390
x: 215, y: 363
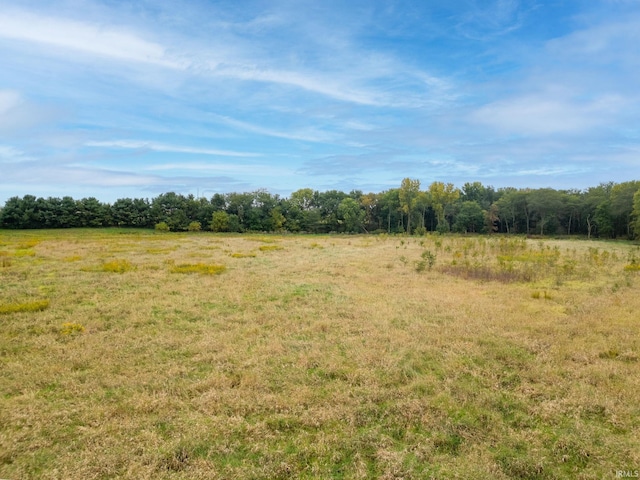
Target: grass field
x: 134, y: 354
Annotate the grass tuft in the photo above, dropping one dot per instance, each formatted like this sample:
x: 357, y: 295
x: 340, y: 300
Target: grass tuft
x: 70, y: 328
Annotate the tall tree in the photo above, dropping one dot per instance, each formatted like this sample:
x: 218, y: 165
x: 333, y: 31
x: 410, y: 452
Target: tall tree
x: 470, y: 218
x: 546, y: 204
x: 409, y: 191
x: 622, y: 206
x: 351, y: 215
x: 442, y: 195
x: 636, y: 214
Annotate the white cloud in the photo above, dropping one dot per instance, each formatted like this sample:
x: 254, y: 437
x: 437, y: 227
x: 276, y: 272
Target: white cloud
x: 85, y: 37
x: 545, y: 114
x: 226, y: 168
x: 8, y: 100
x: 160, y: 147
x: 307, y: 135
x: 8, y: 153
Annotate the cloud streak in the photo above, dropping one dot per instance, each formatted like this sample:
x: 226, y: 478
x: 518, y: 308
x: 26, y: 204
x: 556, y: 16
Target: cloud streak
x: 84, y: 37
x: 159, y: 147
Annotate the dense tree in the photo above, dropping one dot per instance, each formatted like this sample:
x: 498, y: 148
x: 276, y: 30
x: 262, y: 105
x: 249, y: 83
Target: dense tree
x: 328, y: 203
x: 545, y: 204
x: 470, y: 218
x: 476, y: 192
x: 127, y: 212
x: 351, y: 215
x: 171, y: 208
x: 608, y: 210
x: 622, y: 206
x: 636, y: 214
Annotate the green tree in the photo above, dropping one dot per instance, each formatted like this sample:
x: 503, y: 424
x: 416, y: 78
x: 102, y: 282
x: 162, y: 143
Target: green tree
x: 622, y: 196
x: 636, y: 214
x: 442, y: 195
x: 277, y: 219
x: 328, y: 203
x: 408, y: 195
x: 476, y: 192
x: 470, y: 218
x: 92, y: 213
x: 507, y: 207
x: 351, y: 215
x: 219, y: 221
x: 389, y: 202
x: 170, y: 208
x: 546, y: 204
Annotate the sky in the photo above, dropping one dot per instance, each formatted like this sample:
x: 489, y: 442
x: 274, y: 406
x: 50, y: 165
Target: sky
x: 114, y: 99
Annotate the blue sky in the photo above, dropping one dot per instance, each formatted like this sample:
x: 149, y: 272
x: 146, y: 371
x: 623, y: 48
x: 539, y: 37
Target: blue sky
x: 118, y: 99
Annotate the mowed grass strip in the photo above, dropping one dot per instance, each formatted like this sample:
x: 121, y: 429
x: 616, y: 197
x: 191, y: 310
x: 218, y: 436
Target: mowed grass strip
x: 334, y: 362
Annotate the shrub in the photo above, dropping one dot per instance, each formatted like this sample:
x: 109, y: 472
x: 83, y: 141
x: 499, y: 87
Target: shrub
x: 162, y: 227
x: 194, y: 227
x: 429, y: 257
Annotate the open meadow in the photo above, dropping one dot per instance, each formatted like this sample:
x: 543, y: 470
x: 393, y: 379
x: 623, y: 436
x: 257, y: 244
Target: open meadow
x: 138, y: 354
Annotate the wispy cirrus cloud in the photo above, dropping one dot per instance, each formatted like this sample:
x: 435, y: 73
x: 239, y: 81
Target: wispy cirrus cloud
x: 161, y: 147
x: 86, y: 37
x: 546, y: 114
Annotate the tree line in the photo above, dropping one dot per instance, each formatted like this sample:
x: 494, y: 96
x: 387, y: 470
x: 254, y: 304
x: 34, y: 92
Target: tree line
x: 608, y: 210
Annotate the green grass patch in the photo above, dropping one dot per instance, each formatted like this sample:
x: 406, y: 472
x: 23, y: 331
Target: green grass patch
x: 270, y: 248
x: 117, y: 266
x: 36, y: 306
x: 201, y: 268
x: 243, y: 255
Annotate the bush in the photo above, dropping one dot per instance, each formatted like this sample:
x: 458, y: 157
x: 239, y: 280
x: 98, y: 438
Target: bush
x: 162, y: 227
x: 194, y: 227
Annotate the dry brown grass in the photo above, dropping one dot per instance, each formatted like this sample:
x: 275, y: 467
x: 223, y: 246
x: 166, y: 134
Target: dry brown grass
x: 339, y: 360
